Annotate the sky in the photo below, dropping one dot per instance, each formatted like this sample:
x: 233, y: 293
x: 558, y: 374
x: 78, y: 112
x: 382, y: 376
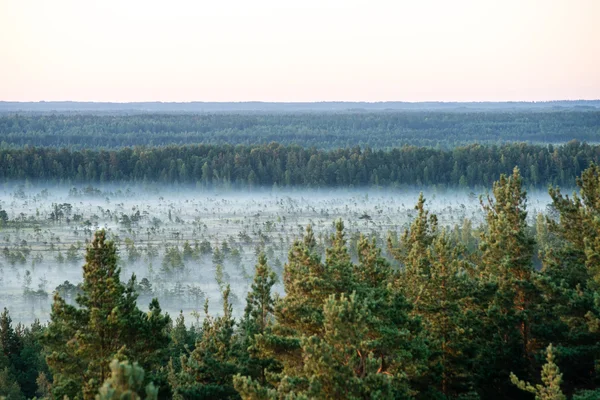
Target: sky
x: 299, y: 50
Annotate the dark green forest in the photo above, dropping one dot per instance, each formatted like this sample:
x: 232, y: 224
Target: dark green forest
x: 331, y: 130
x: 275, y: 164
x: 431, y: 316
x: 502, y: 311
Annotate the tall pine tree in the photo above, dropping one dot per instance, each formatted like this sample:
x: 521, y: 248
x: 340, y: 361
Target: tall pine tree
x: 82, y: 341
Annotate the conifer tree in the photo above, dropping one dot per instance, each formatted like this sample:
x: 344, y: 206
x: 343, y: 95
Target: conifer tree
x: 448, y: 309
x: 309, y: 238
x: 372, y: 269
x: 435, y: 281
x: 338, y: 363
x: 207, y: 372
x: 9, y: 387
x: 300, y: 311
x: 338, y: 323
x: 82, y: 341
x: 182, y: 339
x: 9, y: 341
x: 507, y: 265
x: 551, y: 379
x: 259, y: 303
x: 126, y: 382
x: 338, y: 264
x: 571, y: 269
x: 258, y: 316
x: 410, y: 251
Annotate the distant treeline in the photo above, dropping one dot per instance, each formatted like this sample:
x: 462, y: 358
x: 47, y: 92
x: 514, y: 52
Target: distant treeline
x: 323, y: 130
x: 282, y: 107
x: 276, y: 164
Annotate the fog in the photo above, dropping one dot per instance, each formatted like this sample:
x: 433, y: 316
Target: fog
x: 43, y: 244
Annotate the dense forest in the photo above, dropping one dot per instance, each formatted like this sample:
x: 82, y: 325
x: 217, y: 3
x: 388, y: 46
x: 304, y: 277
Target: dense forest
x: 332, y: 130
x: 439, y: 318
x: 425, y: 309
x: 275, y: 164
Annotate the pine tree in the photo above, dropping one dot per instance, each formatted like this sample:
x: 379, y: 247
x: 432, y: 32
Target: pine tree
x: 338, y: 264
x: 10, y: 343
x: 306, y: 287
x: 207, y: 372
x: 309, y: 238
x: 339, y: 332
x: 22, y: 353
x: 258, y: 315
x: 410, y: 251
x: 372, y: 269
x: 82, y: 341
x: 182, y: 338
x: 551, y: 379
x: 507, y: 266
x: 9, y: 388
x: 570, y: 269
x: 126, y: 382
x: 435, y: 280
x: 31, y: 358
x: 338, y: 363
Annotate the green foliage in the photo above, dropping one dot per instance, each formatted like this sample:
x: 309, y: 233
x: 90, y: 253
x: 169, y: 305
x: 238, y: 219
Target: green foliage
x: 82, y: 341
x: 325, y: 130
x: 442, y: 320
x: 9, y: 388
x: 207, y: 372
x: 274, y: 164
x: 551, y: 380
x: 126, y: 382
x: 259, y: 303
x: 435, y: 279
x: 258, y: 316
x: 337, y: 334
x: 512, y: 297
x: 587, y: 395
x: 20, y: 355
x: 571, y: 270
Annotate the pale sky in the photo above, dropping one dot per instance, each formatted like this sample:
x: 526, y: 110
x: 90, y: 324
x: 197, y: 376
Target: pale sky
x: 300, y: 50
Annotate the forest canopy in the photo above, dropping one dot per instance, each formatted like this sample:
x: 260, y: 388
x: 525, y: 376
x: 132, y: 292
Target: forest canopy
x: 428, y: 317
x: 275, y: 164
x: 322, y: 130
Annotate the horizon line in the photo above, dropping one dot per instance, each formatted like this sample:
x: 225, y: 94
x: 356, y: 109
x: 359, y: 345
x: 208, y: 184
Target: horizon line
x: 303, y: 102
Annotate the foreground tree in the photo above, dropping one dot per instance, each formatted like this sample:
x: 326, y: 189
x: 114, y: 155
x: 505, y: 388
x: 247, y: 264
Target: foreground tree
x: 126, y: 382
x: 106, y: 324
x: 551, y: 379
x: 207, y: 372
x: 341, y: 331
x: 258, y: 316
x: 435, y: 279
x: 572, y: 271
x: 510, y: 306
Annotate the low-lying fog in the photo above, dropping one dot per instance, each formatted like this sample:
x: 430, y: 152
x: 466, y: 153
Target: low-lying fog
x: 169, y: 236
